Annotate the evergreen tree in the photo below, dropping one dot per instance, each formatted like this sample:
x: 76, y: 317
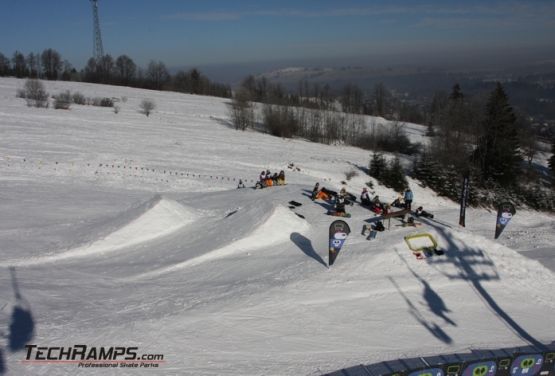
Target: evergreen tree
x: 427, y: 170
x: 449, y: 147
x: 394, y: 176
x: 497, y: 154
x: 377, y: 166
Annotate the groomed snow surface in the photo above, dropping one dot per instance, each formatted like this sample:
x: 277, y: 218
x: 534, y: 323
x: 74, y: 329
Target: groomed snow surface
x: 127, y: 230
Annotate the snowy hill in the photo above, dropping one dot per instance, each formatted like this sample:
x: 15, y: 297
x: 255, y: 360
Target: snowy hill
x: 119, y: 229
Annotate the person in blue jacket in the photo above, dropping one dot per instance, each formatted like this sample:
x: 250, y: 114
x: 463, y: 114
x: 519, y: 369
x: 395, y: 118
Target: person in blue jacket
x: 408, y: 198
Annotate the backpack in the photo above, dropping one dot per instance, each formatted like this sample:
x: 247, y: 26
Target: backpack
x: 379, y: 226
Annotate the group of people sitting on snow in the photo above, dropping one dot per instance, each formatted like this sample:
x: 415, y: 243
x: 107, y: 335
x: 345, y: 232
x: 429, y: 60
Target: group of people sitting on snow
x: 266, y: 179
x: 404, y: 201
x: 374, y: 204
x: 339, y: 199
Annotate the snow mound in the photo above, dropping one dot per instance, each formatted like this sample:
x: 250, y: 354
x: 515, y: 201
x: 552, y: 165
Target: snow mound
x: 276, y: 229
x: 157, y: 218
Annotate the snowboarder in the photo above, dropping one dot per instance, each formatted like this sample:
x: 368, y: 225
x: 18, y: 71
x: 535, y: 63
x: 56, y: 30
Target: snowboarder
x: 281, y: 178
x: 325, y: 194
x: 398, y: 202
x: 268, y: 181
x: 420, y: 212
x: 315, y: 191
x: 377, y: 206
x: 365, y: 197
x: 408, y: 198
x: 241, y: 184
x: 349, y: 197
x: 340, y: 202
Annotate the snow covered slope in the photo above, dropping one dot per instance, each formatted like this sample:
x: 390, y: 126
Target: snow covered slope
x: 124, y: 230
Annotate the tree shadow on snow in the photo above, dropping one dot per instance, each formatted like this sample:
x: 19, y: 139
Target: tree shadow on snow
x: 432, y: 327
x: 22, y: 325
x: 474, y: 266
x: 363, y: 169
x: 306, y: 246
x: 224, y: 122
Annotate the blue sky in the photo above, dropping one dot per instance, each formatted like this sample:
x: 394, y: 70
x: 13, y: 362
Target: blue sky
x: 186, y: 33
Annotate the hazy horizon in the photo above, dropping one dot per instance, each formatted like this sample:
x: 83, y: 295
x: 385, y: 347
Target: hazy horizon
x: 280, y: 33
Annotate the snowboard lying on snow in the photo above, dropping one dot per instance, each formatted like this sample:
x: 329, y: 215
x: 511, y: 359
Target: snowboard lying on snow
x: 336, y: 214
x: 428, y: 252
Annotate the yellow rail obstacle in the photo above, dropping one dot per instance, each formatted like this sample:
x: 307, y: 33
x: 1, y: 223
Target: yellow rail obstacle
x: 423, y: 245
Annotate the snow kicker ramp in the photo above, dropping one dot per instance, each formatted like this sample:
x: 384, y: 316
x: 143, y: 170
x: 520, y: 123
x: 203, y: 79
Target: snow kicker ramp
x: 157, y: 218
x: 275, y: 229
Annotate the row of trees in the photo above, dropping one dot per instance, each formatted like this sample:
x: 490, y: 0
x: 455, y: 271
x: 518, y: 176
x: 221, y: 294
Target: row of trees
x: 351, y: 99
x: 488, y: 146
x: 314, y: 113
x: 48, y: 64
x: 107, y: 70
x: 482, y: 136
x: 390, y: 173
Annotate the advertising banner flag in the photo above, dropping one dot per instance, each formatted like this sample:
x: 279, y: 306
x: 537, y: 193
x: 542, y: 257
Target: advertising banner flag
x: 339, y: 230
x: 505, y: 212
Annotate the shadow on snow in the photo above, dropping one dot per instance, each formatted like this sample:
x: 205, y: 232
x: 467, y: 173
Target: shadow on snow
x: 468, y: 261
x: 432, y: 327
x: 22, y: 325
x: 306, y: 246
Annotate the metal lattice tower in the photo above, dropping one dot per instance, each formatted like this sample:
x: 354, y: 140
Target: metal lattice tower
x: 98, y: 50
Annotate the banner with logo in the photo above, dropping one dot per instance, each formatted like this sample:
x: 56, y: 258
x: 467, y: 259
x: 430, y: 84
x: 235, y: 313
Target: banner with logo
x: 505, y: 212
x: 339, y: 230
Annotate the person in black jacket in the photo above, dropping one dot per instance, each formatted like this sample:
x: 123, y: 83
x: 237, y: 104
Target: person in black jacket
x: 340, y: 202
x: 365, y: 197
x: 420, y: 212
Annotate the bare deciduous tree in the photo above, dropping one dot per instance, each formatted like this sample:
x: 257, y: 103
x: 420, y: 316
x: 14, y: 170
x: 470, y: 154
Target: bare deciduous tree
x: 147, y: 106
x: 51, y: 63
x: 157, y: 75
x: 242, y: 111
x: 19, y: 65
x: 63, y: 101
x: 35, y: 94
x: 4, y: 65
x: 125, y: 69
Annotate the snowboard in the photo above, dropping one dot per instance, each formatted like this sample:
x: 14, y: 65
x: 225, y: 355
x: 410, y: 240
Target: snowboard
x: 410, y: 224
x: 335, y: 214
x: 294, y: 203
x: 373, y: 233
x: 428, y: 252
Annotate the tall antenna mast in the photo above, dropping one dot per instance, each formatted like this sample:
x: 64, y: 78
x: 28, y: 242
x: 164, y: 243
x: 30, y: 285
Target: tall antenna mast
x: 98, y: 50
